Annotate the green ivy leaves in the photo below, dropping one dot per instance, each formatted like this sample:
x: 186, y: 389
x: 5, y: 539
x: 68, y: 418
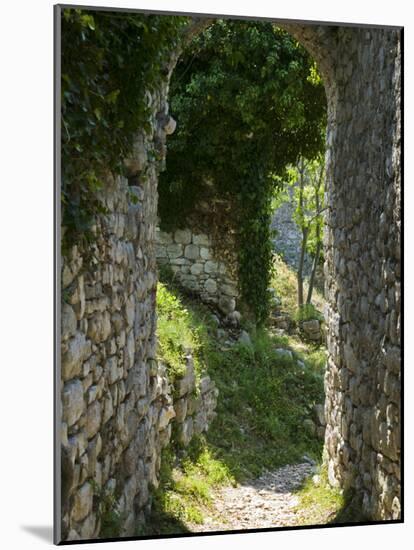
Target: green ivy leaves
x: 109, y: 61
x: 248, y: 103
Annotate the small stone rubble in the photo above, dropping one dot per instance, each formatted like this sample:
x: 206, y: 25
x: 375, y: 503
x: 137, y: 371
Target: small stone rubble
x: 269, y: 501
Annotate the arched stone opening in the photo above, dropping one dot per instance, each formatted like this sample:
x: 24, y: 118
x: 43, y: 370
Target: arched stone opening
x: 115, y: 404
x: 361, y: 73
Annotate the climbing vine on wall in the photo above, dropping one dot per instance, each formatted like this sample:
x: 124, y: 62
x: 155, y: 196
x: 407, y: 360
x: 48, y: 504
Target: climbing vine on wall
x: 248, y: 101
x: 109, y: 61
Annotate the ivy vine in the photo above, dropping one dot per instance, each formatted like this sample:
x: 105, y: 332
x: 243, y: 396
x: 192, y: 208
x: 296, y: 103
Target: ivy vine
x: 109, y: 61
x: 248, y: 101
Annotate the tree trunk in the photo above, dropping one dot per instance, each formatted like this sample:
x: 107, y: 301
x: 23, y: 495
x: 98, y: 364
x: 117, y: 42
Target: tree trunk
x: 312, y: 277
x: 318, y: 238
x: 300, y: 267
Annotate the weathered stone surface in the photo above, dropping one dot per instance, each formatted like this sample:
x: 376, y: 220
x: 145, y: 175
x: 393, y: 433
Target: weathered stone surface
x: 187, y: 383
x: 73, y: 403
x: 75, y: 353
x: 196, y: 269
x: 244, y: 338
x: 182, y: 236
x: 174, y: 250
x: 311, y: 326
x: 205, y: 253
x: 166, y: 414
x: 210, y: 266
x: 192, y: 252
x: 320, y: 414
x: 99, y: 327
x: 82, y: 502
x: 201, y: 239
x: 211, y: 286
x: 180, y: 407
x: 226, y: 304
x: 170, y: 126
x: 69, y: 322
x: 164, y: 238
x: 93, y: 419
x: 284, y: 353
x: 186, y: 431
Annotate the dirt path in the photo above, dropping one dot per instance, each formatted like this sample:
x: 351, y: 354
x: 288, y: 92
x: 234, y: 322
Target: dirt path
x: 268, y: 501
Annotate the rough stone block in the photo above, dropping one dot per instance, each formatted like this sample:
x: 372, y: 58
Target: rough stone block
x: 182, y: 236
x: 192, y: 252
x: 163, y: 237
x: 205, y: 253
x: 73, y: 403
x: 175, y: 250
x: 211, y: 267
x: 196, y: 269
x: 180, y: 407
x: 166, y: 414
x: 99, y: 327
x: 93, y: 419
x: 211, y: 286
x: 82, y: 502
x: 76, y: 351
x: 226, y: 304
x: 201, y: 239
x: 68, y: 322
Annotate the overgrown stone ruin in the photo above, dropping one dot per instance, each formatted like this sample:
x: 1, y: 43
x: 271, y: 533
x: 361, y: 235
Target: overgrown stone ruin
x: 197, y: 268
x: 117, y: 407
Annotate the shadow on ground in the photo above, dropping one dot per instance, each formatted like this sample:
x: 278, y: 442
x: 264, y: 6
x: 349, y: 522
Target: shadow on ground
x: 43, y: 532
x: 351, y: 511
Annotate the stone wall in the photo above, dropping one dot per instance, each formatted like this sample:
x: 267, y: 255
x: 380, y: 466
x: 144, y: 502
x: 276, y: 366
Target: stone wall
x: 115, y: 399
x: 116, y: 402
x: 363, y: 253
x: 194, y: 404
x: 193, y: 260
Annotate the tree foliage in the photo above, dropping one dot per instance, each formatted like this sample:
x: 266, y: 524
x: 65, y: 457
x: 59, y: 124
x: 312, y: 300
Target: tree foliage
x: 248, y: 101
x: 305, y: 187
x: 109, y: 61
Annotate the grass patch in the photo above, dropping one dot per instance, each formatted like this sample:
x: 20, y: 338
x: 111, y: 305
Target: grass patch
x: 284, y: 282
x: 182, y: 328
x: 186, y: 490
x: 319, y: 504
x: 264, y: 401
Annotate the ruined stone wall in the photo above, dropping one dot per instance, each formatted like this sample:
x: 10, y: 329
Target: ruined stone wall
x: 362, y: 269
x: 194, y: 404
x: 193, y: 260
x: 116, y: 401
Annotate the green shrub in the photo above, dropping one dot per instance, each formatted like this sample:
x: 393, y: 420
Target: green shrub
x: 307, y: 312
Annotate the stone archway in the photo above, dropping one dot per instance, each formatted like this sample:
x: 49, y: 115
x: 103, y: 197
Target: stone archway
x: 115, y: 404
x: 361, y: 69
